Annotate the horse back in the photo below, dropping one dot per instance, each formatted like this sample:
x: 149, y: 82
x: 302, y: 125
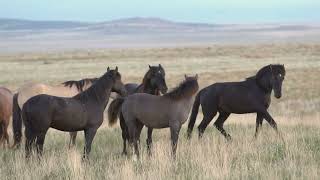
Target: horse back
x: 65, y: 114
x: 235, y: 97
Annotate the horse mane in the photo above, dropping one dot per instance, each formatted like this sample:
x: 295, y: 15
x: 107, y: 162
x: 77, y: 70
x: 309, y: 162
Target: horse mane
x: 98, y: 87
x: 186, y: 89
x: 80, y: 84
x: 275, y: 68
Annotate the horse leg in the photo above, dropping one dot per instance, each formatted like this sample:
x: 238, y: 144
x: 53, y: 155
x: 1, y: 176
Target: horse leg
x: 30, y: 138
x: 259, y: 120
x: 2, y: 142
x: 149, y: 141
x: 174, y: 131
x: 208, y: 115
x: 133, y: 141
x: 219, y: 124
x: 40, y: 141
x: 125, y: 135
x: 5, y: 132
x: 73, y: 136
x: 89, y: 135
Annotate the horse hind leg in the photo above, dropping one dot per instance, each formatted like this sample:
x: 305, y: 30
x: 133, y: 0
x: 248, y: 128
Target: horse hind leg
x: 2, y: 132
x: 219, y: 124
x: 40, y: 141
x: 208, y: 115
x: 30, y: 138
x: 72, y: 141
x: 125, y: 135
x: 5, y: 132
x: 149, y: 141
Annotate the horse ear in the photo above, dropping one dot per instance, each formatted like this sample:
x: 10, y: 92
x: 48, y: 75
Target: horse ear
x: 149, y: 66
x: 196, y: 76
x: 116, y: 69
x: 108, y: 69
x: 185, y: 76
x: 160, y: 66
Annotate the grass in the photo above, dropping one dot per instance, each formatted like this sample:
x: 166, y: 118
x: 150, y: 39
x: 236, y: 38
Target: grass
x: 297, y: 114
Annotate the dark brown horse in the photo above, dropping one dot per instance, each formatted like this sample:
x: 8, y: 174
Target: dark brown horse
x: 250, y: 96
x: 170, y: 110
x: 153, y: 82
x: 5, y: 114
x: 25, y: 92
x: 81, y: 112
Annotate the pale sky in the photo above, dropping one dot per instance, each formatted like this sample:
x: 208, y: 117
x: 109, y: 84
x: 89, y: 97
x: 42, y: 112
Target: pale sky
x: 208, y: 11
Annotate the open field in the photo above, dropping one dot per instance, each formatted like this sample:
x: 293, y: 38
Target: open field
x: 297, y: 114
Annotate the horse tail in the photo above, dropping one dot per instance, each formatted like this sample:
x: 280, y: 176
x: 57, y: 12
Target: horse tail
x: 16, y: 121
x: 194, y: 113
x: 114, y: 109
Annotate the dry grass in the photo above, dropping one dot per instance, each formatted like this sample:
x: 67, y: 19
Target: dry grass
x: 211, y: 158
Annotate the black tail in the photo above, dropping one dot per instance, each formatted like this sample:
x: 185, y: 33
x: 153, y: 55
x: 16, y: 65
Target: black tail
x: 114, y: 109
x: 194, y: 113
x: 16, y: 122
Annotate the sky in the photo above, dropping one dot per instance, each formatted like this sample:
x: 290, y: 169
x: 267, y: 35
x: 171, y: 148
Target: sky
x: 205, y: 11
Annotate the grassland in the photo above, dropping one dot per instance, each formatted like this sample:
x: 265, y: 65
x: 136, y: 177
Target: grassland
x: 297, y: 114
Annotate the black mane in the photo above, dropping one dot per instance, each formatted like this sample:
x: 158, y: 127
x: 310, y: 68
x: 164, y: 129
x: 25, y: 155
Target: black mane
x: 80, y: 84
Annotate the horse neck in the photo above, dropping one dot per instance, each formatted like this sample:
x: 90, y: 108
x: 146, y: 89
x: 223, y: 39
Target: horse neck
x: 264, y: 84
x: 146, y: 87
x: 99, y: 92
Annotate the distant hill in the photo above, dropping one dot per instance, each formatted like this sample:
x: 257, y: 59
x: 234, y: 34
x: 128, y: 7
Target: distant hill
x: 28, y: 35
x: 20, y: 24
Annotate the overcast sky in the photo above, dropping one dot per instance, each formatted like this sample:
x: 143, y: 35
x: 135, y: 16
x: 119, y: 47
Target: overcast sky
x: 208, y: 11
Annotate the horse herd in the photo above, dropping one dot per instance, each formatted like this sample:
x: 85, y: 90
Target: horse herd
x: 79, y: 106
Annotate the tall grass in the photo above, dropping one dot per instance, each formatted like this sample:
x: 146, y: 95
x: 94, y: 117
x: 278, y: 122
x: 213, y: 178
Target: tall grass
x: 209, y: 158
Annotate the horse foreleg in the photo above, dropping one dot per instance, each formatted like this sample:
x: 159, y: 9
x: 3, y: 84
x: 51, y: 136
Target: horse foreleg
x: 89, y: 135
x: 259, y: 120
x: 149, y: 141
x: 272, y: 123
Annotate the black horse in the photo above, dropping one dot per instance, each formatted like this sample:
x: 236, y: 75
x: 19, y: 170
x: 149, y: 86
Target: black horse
x: 81, y: 112
x: 153, y: 82
x: 250, y: 96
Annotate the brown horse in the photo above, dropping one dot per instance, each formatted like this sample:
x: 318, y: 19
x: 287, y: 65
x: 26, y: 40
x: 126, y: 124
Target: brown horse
x: 170, y: 110
x: 66, y: 89
x: 5, y: 114
x: 153, y: 83
x: 83, y: 112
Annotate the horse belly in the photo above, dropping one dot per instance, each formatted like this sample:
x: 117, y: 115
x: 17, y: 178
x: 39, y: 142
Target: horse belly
x: 69, y: 120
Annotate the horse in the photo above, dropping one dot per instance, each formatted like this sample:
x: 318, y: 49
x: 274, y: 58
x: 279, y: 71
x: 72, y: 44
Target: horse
x: 5, y: 114
x: 250, y: 96
x: 66, y: 89
x: 83, y: 111
x: 152, y: 83
x: 168, y: 111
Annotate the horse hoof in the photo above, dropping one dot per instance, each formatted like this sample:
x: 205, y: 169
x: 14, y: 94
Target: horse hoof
x: 124, y: 153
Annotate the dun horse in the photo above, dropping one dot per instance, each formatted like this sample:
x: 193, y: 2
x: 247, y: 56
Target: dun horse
x: 170, y: 110
x: 152, y: 83
x: 66, y: 89
x: 81, y: 112
x: 250, y: 96
x: 5, y: 114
